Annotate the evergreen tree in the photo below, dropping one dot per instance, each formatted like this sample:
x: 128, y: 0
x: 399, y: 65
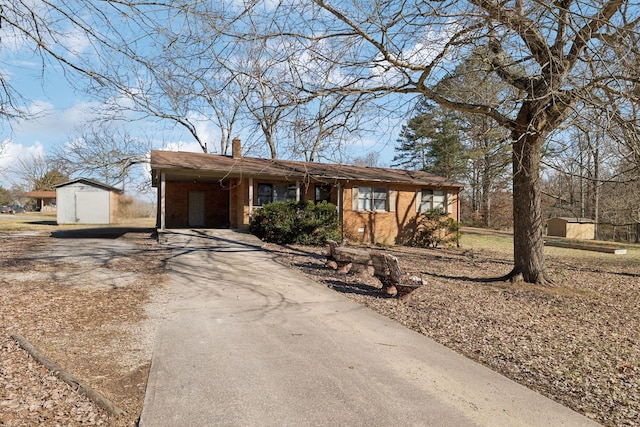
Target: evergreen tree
x: 49, y: 180
x: 431, y: 142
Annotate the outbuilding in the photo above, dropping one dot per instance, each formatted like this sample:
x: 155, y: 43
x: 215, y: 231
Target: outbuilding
x: 85, y: 201
x: 45, y: 200
x: 375, y: 205
x: 571, y: 228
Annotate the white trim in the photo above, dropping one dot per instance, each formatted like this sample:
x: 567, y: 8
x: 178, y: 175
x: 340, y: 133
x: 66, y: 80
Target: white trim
x: 391, y: 199
x: 340, y: 207
x: 163, y: 200
x: 250, y: 196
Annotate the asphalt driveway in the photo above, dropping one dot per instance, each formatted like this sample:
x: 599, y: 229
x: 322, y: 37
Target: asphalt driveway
x: 249, y: 342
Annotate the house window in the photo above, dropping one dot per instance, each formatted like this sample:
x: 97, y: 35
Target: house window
x: 322, y: 193
x: 372, y: 199
x: 269, y: 193
x: 432, y: 199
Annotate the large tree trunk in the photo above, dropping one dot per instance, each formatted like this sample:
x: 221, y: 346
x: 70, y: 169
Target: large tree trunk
x: 528, y: 227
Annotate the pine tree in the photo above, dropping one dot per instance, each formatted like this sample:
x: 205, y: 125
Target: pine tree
x: 431, y: 142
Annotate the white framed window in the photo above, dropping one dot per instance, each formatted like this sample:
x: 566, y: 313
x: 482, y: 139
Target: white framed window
x: 432, y: 199
x: 371, y: 198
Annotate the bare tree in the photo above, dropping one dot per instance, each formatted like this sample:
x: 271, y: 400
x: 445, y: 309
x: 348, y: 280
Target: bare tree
x: 103, y: 153
x: 370, y: 159
x: 81, y: 36
x: 553, y: 55
x: 38, y: 172
x: 267, y: 103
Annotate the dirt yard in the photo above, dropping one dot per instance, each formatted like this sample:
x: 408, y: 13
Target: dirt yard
x: 577, y: 343
x: 94, y: 313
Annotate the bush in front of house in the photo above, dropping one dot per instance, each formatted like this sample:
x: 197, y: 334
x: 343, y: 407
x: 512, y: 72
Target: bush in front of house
x: 302, y: 222
x: 435, y: 228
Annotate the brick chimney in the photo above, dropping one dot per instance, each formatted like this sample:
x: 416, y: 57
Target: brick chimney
x: 236, y: 148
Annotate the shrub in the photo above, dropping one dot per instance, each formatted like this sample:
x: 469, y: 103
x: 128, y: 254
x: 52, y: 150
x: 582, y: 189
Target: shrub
x: 302, y: 222
x: 435, y: 228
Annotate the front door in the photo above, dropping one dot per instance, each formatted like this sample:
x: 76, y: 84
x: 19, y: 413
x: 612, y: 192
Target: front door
x: 196, y: 208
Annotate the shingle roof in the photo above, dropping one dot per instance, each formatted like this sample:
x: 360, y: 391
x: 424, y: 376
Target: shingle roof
x: 40, y: 194
x: 91, y: 182
x: 177, y: 161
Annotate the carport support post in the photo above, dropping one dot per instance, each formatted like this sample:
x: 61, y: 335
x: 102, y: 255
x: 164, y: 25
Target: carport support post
x: 250, y: 197
x: 340, y: 207
x: 163, y: 203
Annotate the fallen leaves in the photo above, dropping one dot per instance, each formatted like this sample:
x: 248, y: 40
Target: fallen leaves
x: 89, y: 316
x: 577, y: 343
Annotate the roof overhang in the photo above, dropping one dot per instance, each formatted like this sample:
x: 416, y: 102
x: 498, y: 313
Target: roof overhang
x: 180, y: 166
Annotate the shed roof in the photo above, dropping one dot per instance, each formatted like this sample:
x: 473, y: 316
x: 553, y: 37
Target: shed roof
x: 91, y: 182
x: 574, y: 220
x: 227, y: 166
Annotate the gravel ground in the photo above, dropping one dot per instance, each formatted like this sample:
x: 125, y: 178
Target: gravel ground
x: 577, y: 342
x: 92, y: 312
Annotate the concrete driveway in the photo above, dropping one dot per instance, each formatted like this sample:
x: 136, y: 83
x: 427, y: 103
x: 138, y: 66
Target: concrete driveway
x: 248, y: 342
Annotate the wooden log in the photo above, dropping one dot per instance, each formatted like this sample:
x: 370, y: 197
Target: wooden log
x: 380, y: 268
x: 344, y: 268
x: 407, y: 285
x: 65, y: 376
x: 332, y: 249
x: 394, y: 282
x: 352, y: 255
x: 342, y: 259
x: 391, y: 290
x: 331, y: 264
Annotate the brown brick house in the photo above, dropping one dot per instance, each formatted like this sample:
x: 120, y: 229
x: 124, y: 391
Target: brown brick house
x: 376, y: 205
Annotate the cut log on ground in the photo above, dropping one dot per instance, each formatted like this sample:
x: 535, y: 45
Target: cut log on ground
x: 343, y: 255
x: 65, y: 376
x: 394, y: 282
x: 386, y: 268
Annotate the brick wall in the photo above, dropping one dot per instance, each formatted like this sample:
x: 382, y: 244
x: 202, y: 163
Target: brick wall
x: 390, y: 227
x: 216, y: 209
x: 228, y: 206
x: 240, y: 215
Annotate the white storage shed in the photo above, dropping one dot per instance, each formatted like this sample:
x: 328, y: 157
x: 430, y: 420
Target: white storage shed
x: 85, y: 201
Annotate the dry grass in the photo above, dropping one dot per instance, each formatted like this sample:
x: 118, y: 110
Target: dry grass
x: 47, y: 222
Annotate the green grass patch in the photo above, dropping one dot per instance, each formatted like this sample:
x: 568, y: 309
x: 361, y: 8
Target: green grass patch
x: 486, y: 241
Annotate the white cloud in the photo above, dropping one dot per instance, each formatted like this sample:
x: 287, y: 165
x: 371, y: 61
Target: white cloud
x: 208, y: 133
x: 425, y: 50
x: 10, y: 153
x: 190, y: 146
x: 46, y: 119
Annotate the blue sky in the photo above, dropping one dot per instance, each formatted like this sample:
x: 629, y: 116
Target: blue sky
x: 60, y: 111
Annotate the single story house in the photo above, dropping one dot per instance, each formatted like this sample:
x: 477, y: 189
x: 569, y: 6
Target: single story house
x: 375, y: 205
x: 85, y: 201
x: 571, y: 228
x: 45, y: 200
